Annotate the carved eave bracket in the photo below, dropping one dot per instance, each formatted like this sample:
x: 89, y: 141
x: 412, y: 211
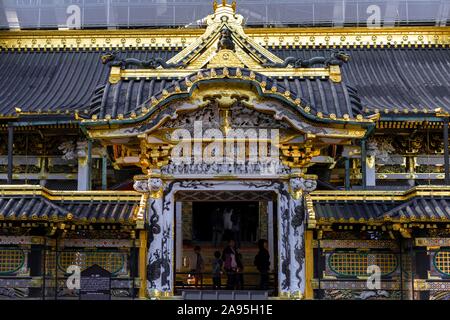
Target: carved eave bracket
x: 154, y: 155
x: 299, y: 155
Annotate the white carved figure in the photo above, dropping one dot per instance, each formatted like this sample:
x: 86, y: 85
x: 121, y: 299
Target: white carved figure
x: 68, y: 150
x: 306, y: 185
x: 140, y: 186
x: 296, y: 184
x: 370, y: 294
x: 309, y: 185
x: 381, y: 148
x: 154, y: 184
x: 268, y: 167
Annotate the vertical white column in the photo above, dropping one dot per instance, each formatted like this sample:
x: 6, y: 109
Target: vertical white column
x: 297, y: 246
x: 371, y: 174
x: 280, y: 232
x: 168, y: 246
x: 155, y: 249
x: 179, y: 235
x: 284, y: 252
x: 161, y: 248
x: 83, y: 165
x: 270, y: 232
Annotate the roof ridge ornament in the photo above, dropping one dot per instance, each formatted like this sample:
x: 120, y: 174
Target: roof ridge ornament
x: 225, y: 40
x: 112, y: 60
x: 337, y: 58
x: 198, y: 54
x: 224, y: 4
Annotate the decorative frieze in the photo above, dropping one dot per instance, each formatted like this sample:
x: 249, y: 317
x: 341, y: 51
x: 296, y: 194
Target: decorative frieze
x: 21, y: 240
x: 356, y: 285
x: 98, y: 243
x: 356, y: 244
x: 432, y: 242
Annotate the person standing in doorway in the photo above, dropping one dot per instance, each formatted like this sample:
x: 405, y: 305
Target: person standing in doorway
x: 236, y: 228
x: 199, y: 266
x: 217, y: 223
x: 262, y: 263
x: 230, y: 265
x: 217, y: 271
x: 240, y: 271
x: 227, y: 223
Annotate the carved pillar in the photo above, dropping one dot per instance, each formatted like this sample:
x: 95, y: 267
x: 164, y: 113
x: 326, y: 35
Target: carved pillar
x: 179, y: 235
x: 104, y: 171
x: 298, y: 187
x: 84, y: 155
x: 270, y: 237
x: 160, y: 238
x: 284, y: 242
x: 370, y: 171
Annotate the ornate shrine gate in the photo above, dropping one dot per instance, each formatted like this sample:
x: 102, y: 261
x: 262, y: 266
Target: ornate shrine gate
x: 291, y: 220
x: 223, y: 92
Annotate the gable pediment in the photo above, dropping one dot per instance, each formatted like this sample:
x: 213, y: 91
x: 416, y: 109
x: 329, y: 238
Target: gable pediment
x: 208, y: 51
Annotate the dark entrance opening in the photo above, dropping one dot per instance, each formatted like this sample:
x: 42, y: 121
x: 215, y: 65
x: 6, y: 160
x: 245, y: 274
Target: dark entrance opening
x: 238, y: 219
x: 196, y: 213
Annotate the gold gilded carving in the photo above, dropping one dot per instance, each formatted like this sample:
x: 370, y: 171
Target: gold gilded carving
x: 225, y: 58
x: 115, y: 75
x: 298, y: 155
x: 153, y: 155
x: 335, y: 73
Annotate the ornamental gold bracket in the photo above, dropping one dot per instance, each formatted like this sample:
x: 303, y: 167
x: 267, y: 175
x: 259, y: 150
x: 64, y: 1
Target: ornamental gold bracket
x: 154, y: 155
x: 298, y: 155
x: 116, y: 74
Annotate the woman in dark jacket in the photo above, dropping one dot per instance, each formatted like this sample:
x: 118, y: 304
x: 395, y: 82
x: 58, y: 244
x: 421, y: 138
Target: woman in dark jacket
x: 262, y: 263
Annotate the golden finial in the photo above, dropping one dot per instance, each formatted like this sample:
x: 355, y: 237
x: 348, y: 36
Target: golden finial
x: 224, y: 4
x: 225, y: 72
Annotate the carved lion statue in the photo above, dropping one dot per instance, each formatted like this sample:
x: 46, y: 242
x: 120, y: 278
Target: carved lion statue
x: 154, y: 184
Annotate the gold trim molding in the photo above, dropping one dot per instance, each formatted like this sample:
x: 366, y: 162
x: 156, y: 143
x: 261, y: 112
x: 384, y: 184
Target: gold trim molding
x: 332, y: 72
x: 170, y: 39
x: 9, y: 190
x: 381, y: 194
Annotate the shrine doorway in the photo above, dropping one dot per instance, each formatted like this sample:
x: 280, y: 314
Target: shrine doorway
x: 205, y: 219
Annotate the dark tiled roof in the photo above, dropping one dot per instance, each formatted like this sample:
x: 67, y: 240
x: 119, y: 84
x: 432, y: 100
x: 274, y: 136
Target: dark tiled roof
x: 321, y: 95
x: 403, y: 78
x: 352, y: 209
x: 37, y: 207
x: 50, y: 81
x: 374, y: 78
x: 25, y: 208
x: 429, y: 208
x: 426, y: 208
